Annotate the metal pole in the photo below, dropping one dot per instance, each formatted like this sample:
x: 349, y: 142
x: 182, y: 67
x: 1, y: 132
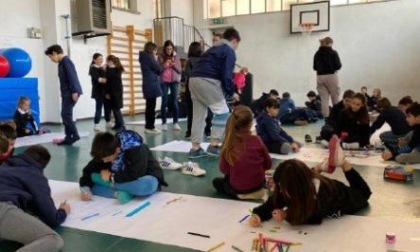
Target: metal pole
x: 67, y: 36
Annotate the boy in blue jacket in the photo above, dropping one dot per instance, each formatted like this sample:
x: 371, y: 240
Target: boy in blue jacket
x: 407, y: 152
x: 268, y: 128
x: 70, y: 91
x: 24, y: 189
x: 211, y: 84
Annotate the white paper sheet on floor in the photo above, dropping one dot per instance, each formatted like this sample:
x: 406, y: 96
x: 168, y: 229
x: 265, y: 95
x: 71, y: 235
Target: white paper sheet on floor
x: 218, y: 218
x: 178, y: 146
x: 44, y: 138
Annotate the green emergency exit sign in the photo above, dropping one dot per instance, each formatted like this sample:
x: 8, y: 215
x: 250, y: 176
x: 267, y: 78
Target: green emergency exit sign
x: 219, y: 21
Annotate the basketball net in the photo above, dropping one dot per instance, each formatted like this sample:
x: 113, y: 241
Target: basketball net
x: 306, y: 28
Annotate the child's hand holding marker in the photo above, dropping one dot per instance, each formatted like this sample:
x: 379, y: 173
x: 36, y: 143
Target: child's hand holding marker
x: 279, y: 214
x: 85, y: 194
x: 65, y: 206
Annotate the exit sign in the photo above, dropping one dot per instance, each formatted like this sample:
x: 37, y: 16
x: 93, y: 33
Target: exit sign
x: 219, y: 21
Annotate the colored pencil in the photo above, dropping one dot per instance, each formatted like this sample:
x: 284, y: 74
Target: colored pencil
x: 138, y: 209
x: 244, y: 218
x: 216, y: 247
x: 237, y: 249
x: 90, y: 216
x: 197, y: 234
x: 117, y: 212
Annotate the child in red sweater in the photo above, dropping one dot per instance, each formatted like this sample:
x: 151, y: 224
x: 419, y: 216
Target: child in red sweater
x: 244, y: 158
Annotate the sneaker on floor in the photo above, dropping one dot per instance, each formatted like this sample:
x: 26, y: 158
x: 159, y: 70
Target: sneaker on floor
x: 308, y: 138
x: 325, y: 143
x: 164, y: 127
x: 336, y: 157
x: 191, y: 168
x: 187, y: 135
x: 169, y: 164
x: 96, y: 127
x: 69, y: 141
x: 318, y: 139
x: 260, y: 194
x: 176, y: 126
x: 123, y: 197
x: 152, y: 131
x: 213, y: 150
x: 197, y: 153
x: 108, y: 125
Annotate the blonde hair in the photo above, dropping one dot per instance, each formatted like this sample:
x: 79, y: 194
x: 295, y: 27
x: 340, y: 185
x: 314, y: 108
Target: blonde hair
x: 240, y: 120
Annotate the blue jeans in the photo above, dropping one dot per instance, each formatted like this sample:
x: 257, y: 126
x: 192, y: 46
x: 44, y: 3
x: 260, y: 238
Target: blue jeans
x: 101, y: 102
x: 142, y: 186
x: 173, y: 87
x: 67, y: 105
x: 389, y: 137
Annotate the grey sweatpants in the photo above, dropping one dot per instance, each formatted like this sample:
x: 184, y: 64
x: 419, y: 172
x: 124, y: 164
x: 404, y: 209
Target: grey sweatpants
x: 327, y: 85
x: 18, y: 226
x: 207, y: 93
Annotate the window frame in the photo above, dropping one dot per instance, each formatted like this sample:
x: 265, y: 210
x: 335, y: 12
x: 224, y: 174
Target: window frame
x: 133, y: 8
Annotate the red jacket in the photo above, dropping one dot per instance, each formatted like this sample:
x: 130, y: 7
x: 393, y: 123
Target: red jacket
x: 248, y: 172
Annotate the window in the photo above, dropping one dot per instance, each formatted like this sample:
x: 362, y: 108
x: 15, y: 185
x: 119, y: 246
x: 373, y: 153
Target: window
x: 225, y: 8
x: 128, y: 5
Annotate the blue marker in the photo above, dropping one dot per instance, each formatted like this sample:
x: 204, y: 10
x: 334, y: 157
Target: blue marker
x: 138, y: 209
x: 90, y: 216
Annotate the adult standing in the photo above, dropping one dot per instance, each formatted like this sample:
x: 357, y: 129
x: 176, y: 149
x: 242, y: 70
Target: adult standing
x: 326, y: 64
x: 171, y: 76
x: 70, y: 91
x: 210, y: 83
x: 150, y: 70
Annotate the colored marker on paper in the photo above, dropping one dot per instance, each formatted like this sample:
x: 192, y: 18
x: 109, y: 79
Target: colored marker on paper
x: 90, y: 216
x: 117, y: 213
x: 138, y: 209
x: 244, y: 218
x: 197, y: 234
x: 216, y: 247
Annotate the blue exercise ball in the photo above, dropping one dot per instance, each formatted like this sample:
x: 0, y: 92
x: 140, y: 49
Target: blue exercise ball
x: 19, y: 60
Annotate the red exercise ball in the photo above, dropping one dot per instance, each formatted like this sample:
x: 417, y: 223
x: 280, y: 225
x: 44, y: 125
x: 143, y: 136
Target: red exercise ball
x: 4, y: 66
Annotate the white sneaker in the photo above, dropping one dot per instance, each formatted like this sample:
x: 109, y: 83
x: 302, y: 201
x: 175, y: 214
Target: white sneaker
x: 325, y: 143
x: 164, y: 127
x: 176, y: 126
x: 152, y: 131
x: 169, y: 164
x: 96, y: 127
x: 351, y: 146
x: 191, y: 168
x: 108, y: 125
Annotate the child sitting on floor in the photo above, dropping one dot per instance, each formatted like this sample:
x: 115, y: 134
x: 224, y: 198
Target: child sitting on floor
x: 314, y: 105
x: 244, y: 158
x: 257, y: 106
x: 273, y: 136
x: 407, y: 151
x: 303, y: 196
x: 25, y: 122
x: 373, y: 100
x: 405, y: 103
x: 8, y: 132
x: 122, y: 167
x: 352, y: 124
x: 289, y: 114
x: 394, y: 117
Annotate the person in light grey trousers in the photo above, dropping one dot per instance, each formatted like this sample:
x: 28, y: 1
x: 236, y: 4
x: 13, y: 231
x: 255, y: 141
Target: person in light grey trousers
x: 24, y: 190
x: 326, y: 64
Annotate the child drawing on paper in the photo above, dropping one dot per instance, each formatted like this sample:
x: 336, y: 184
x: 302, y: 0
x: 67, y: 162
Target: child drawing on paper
x: 303, y: 196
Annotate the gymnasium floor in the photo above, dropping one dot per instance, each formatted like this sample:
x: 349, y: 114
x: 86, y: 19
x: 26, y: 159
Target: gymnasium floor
x: 391, y: 200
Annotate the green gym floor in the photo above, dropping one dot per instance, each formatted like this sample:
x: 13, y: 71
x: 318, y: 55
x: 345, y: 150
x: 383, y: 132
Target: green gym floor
x: 394, y: 200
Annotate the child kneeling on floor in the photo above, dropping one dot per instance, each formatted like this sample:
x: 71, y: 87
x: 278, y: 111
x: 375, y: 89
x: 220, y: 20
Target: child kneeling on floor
x: 407, y: 151
x: 122, y: 167
x: 244, y: 158
x: 273, y: 136
x: 303, y: 196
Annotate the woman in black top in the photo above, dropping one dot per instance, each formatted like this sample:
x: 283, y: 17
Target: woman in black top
x: 114, y: 89
x: 97, y: 74
x: 326, y: 64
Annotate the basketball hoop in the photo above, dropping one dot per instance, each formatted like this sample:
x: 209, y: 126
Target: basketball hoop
x: 306, y: 28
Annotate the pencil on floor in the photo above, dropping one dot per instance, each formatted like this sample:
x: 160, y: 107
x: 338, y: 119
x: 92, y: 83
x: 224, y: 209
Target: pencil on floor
x: 216, y: 247
x: 237, y: 249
